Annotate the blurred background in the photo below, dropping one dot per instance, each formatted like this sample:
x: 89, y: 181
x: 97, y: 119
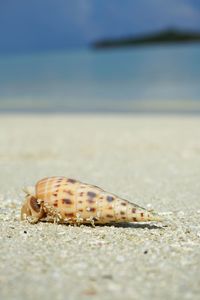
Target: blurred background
x: 50, y: 61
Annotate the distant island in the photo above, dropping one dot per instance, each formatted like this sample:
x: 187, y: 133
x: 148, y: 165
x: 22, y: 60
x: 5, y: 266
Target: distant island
x: 162, y: 37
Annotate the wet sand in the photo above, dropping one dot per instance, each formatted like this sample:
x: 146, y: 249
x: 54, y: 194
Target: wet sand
x: 153, y: 161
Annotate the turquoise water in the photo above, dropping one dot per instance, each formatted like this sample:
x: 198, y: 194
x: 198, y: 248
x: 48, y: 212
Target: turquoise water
x: 138, y: 79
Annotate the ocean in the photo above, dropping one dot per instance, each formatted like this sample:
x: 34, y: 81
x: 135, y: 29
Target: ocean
x: 150, y: 79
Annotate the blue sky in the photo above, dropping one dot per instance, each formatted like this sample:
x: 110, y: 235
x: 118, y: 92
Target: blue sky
x: 41, y: 25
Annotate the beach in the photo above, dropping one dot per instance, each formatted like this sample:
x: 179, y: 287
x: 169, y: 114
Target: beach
x: 151, y: 160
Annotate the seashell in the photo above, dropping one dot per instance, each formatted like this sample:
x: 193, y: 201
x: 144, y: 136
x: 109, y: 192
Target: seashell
x: 65, y: 200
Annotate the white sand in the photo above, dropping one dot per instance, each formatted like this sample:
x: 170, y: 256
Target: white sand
x: 150, y: 160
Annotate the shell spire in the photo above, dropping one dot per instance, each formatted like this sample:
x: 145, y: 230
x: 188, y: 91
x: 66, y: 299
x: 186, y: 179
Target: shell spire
x: 65, y: 200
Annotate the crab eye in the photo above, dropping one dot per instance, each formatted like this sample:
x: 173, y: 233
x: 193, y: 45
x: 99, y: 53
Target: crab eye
x: 34, y: 204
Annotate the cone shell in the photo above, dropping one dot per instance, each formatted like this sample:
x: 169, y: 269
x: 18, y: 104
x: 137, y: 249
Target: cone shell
x: 66, y: 200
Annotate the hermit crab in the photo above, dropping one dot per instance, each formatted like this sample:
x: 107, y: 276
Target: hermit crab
x: 65, y: 200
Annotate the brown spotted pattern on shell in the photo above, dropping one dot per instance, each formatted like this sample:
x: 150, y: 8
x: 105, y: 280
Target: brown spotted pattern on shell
x: 65, y: 200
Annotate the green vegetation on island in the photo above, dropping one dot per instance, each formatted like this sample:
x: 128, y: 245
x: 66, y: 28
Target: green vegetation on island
x: 162, y: 37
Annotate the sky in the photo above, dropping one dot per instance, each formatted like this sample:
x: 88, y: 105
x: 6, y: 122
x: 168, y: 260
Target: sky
x: 50, y: 25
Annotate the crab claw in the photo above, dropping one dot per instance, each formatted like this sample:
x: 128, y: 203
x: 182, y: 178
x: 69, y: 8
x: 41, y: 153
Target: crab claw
x: 31, y: 210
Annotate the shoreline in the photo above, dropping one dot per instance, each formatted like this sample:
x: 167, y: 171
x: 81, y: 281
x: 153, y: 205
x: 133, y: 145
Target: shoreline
x: 100, y: 106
